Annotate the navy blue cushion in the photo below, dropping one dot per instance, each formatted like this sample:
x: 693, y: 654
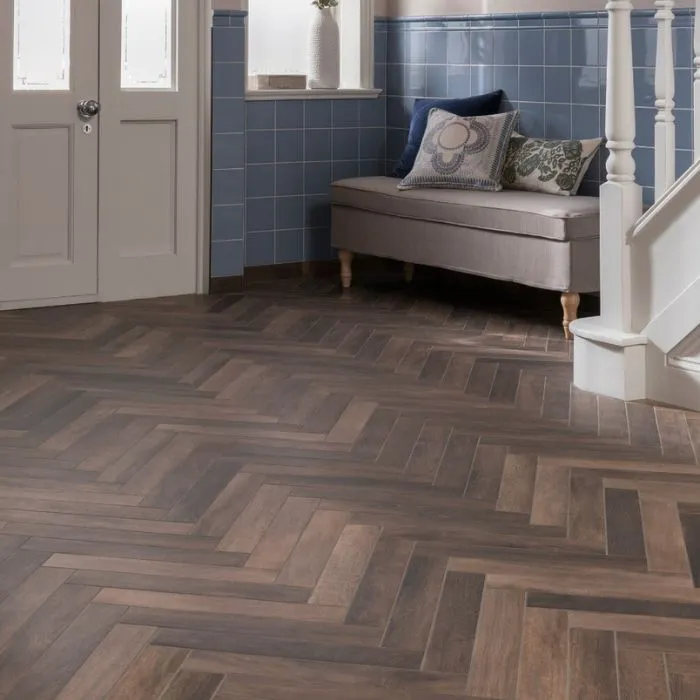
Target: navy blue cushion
x: 476, y: 106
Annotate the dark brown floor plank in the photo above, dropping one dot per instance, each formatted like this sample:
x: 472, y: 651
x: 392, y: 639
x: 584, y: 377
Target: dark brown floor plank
x: 409, y: 625
x: 624, y: 524
x: 452, y: 641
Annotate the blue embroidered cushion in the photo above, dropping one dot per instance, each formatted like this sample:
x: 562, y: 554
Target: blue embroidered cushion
x: 475, y: 106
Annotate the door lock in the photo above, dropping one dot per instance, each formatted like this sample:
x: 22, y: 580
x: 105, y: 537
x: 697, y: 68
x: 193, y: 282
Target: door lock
x: 87, y: 109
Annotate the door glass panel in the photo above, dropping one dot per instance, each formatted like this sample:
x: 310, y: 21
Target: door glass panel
x: 41, y: 59
x: 147, y: 44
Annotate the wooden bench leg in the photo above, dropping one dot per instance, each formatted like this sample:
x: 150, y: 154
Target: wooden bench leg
x: 408, y: 271
x: 570, y: 302
x: 345, y: 268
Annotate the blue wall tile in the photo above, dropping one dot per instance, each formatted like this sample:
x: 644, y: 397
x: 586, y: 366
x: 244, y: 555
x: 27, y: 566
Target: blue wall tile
x: 289, y: 115
x: 289, y: 146
x: 260, y: 180
x: 260, y: 146
x: 290, y: 212
x: 260, y: 115
x: 317, y: 145
x: 228, y: 223
x: 289, y: 179
x: 289, y: 246
x: 228, y: 151
x: 260, y: 248
x: 227, y: 258
x: 318, y: 114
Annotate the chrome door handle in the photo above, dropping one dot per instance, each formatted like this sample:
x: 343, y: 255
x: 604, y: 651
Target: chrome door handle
x: 87, y: 109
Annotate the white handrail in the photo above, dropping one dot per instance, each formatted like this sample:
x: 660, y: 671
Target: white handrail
x: 665, y: 127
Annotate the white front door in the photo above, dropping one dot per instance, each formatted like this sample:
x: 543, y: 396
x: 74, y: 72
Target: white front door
x: 148, y: 148
x: 48, y: 166
x: 97, y: 207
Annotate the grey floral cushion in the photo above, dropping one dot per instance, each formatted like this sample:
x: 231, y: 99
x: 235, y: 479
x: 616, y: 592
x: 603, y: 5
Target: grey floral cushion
x: 555, y: 167
x: 466, y: 153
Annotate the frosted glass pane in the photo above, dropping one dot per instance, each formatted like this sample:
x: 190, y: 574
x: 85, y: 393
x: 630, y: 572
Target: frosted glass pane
x: 147, y: 44
x: 277, y: 36
x: 42, y: 45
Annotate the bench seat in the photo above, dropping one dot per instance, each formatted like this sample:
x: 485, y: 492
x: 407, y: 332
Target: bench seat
x: 540, y: 240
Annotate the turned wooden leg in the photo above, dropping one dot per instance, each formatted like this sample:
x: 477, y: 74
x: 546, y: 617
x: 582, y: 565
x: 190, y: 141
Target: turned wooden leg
x: 408, y: 270
x: 570, y: 302
x: 345, y: 268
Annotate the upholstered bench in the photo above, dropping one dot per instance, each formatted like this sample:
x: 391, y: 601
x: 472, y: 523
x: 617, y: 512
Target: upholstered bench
x: 540, y: 240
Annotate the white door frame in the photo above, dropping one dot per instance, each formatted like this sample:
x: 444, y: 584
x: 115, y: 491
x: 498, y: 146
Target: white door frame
x: 206, y: 21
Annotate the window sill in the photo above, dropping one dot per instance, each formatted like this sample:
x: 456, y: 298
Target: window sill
x: 340, y: 94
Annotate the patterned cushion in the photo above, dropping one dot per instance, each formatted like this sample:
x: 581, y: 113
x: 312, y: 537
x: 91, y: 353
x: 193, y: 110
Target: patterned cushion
x: 474, y: 106
x: 465, y: 153
x: 554, y: 167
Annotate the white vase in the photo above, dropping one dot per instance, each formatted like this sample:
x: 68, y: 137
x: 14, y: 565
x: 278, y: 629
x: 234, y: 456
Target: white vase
x: 324, y: 51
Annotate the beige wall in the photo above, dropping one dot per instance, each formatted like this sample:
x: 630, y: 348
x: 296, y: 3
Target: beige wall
x: 419, y: 8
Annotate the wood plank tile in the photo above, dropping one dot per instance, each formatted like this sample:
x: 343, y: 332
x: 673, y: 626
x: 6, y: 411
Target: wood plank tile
x: 624, y: 524
x: 530, y: 394
x: 428, y: 451
x: 456, y: 463
x: 663, y: 535
x: 411, y: 619
x: 67, y: 654
x: 103, y: 668
x: 593, y: 666
x: 518, y: 484
x: 223, y: 606
x: 642, y: 675
x: 149, y: 674
x: 452, y: 637
x: 346, y: 566
x: 486, y: 474
x: 228, y: 505
x: 587, y: 511
x: 249, y: 527
x: 643, y: 428
x: 375, y: 596
x: 493, y: 672
x: 281, y: 537
x: 312, y: 551
x: 544, y: 655
x: 189, y: 685
x: 40, y: 632
x: 351, y: 424
x: 674, y: 434
x: 23, y: 602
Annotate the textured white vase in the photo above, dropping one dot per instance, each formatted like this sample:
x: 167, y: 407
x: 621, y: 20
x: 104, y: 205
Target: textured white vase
x: 324, y: 51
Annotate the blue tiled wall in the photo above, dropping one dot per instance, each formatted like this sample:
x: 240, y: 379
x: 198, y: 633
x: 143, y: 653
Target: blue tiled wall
x: 294, y: 150
x: 228, y: 145
x: 273, y: 161
x: 552, y: 68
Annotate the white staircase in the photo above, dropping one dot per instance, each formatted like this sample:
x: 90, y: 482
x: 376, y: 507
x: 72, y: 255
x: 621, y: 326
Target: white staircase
x: 646, y: 342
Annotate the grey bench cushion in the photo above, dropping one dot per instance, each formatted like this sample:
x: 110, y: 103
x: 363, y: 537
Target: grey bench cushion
x: 521, y: 213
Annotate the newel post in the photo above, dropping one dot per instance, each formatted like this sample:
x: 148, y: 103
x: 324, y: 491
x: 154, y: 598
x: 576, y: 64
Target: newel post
x: 665, y: 127
x: 620, y: 196
x: 696, y: 82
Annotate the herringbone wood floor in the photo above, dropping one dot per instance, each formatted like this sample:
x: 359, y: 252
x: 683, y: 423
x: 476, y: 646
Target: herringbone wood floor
x: 293, y: 495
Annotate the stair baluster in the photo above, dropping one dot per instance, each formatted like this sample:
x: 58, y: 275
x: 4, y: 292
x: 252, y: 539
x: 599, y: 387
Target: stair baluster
x: 665, y: 127
x: 620, y: 196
